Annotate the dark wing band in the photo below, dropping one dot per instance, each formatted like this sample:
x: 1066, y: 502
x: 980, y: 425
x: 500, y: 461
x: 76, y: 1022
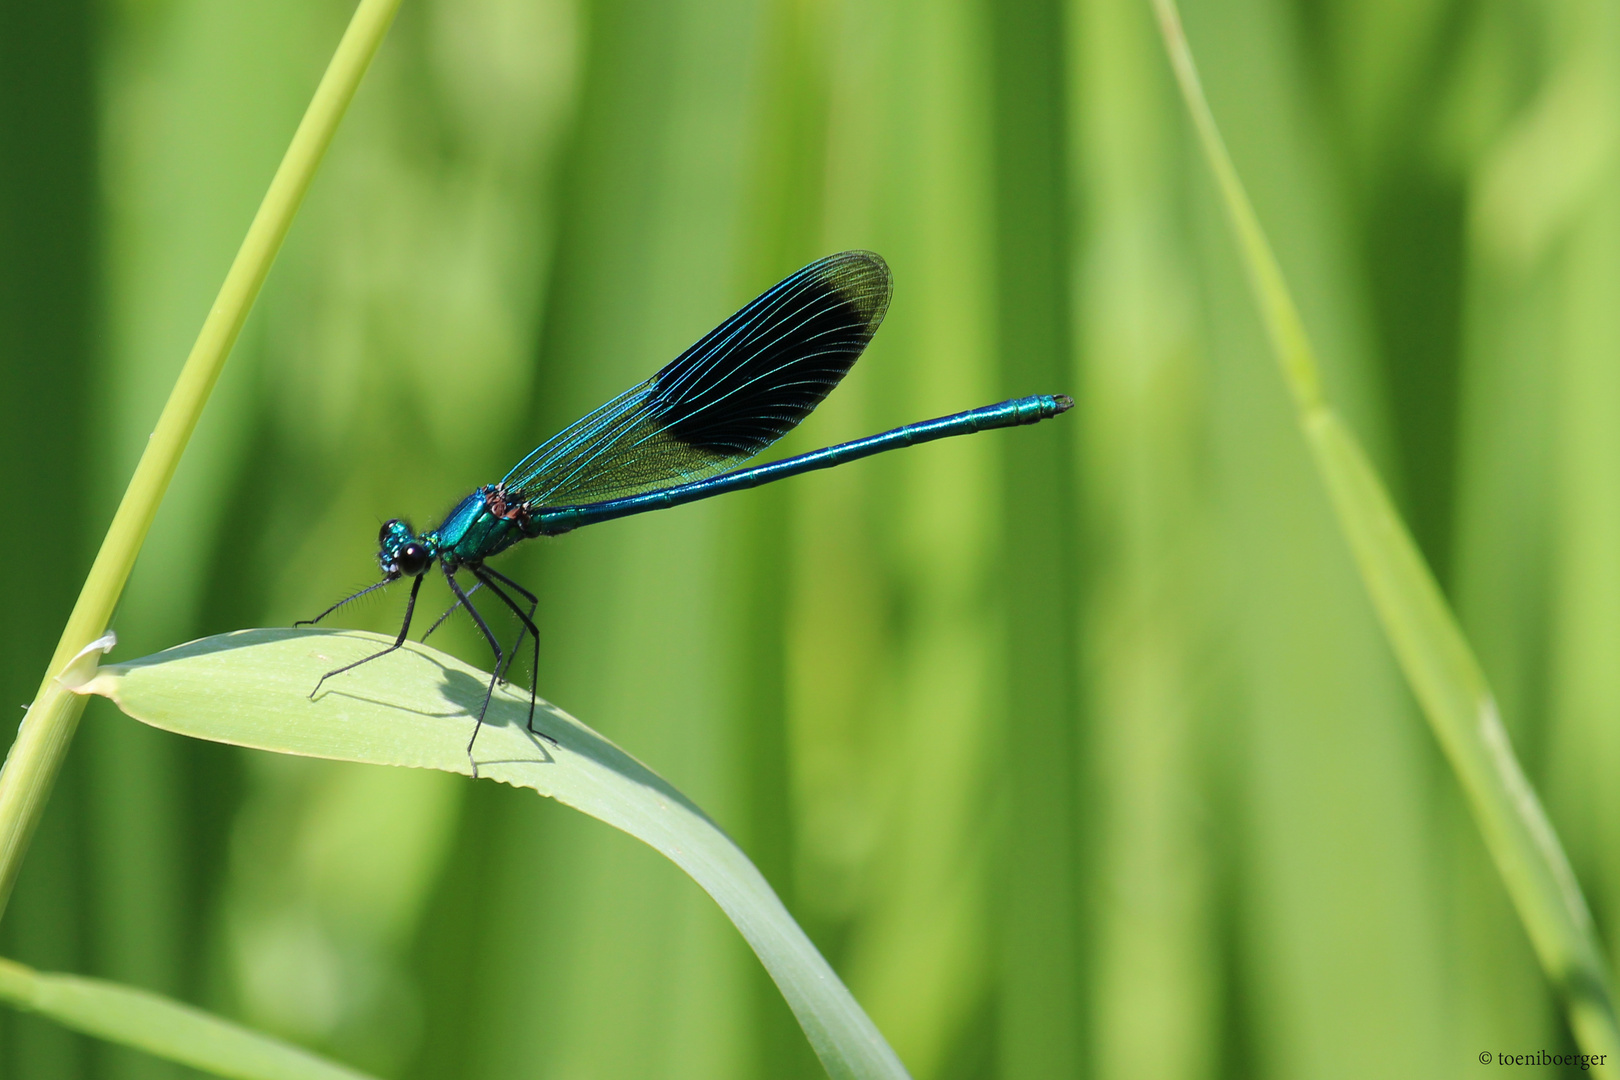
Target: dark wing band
x: 748, y: 382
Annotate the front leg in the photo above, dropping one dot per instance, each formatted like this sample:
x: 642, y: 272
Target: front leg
x: 410, y: 608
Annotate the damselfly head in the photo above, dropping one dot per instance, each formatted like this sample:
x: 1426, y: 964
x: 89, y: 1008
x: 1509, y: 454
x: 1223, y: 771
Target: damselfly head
x: 400, y: 553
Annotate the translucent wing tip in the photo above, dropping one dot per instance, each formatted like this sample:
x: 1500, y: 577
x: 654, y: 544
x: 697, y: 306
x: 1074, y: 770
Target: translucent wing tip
x: 862, y: 279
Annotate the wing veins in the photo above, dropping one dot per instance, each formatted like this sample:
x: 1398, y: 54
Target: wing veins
x: 675, y: 427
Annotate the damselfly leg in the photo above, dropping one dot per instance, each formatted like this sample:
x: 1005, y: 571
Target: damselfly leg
x: 404, y: 631
x: 484, y: 574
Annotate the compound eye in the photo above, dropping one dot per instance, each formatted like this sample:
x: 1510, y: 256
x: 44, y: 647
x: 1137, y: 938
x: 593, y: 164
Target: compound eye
x: 412, y: 559
x: 387, y: 530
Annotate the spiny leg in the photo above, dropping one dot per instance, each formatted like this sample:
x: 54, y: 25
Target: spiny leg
x: 528, y: 625
x: 494, y: 643
x: 455, y: 607
x: 345, y: 600
x: 410, y: 608
x: 527, y: 621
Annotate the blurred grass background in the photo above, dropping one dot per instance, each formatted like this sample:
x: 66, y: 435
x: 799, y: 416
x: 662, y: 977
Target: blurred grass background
x: 1076, y: 749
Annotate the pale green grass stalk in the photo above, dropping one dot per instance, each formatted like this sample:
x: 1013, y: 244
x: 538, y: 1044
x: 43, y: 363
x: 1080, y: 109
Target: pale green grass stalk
x: 1429, y: 645
x: 47, y: 729
x: 159, y: 1026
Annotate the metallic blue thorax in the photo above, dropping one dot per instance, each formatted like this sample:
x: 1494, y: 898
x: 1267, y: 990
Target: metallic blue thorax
x: 471, y: 532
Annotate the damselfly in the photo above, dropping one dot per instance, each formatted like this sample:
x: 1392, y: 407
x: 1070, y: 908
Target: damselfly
x: 670, y: 440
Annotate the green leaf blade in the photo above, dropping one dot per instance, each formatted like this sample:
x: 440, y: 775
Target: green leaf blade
x: 415, y: 708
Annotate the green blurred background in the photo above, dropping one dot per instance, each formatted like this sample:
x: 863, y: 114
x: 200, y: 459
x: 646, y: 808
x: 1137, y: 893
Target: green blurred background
x: 1076, y: 748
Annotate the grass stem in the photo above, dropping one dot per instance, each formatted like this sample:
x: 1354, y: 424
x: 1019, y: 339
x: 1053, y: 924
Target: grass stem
x: 1424, y: 634
x: 47, y: 729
